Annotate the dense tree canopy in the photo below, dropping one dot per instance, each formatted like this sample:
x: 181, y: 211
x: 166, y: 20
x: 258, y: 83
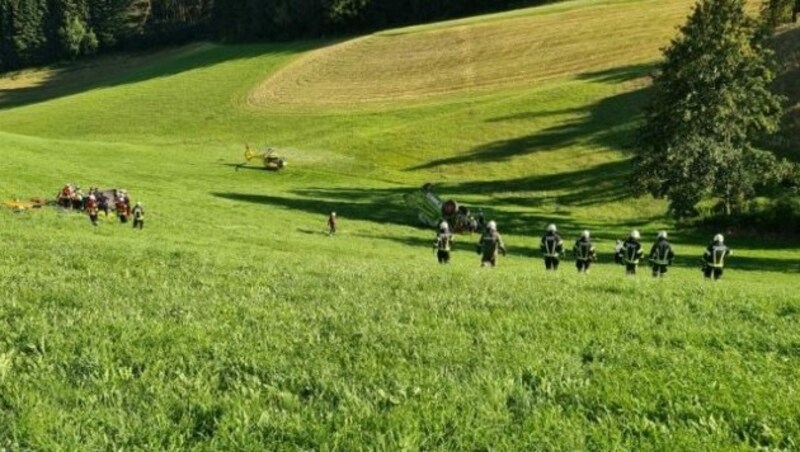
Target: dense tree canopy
x: 40, y: 31
x: 711, y: 100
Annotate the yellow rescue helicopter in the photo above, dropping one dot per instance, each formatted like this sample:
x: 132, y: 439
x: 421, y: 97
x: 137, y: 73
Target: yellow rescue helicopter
x: 267, y: 156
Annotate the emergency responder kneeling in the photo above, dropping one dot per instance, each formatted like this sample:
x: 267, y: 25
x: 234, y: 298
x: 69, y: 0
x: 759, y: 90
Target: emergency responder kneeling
x: 552, y: 247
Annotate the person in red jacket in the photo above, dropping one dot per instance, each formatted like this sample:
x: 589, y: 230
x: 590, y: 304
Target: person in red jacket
x: 65, y: 196
x: 92, y: 209
x: 122, y: 209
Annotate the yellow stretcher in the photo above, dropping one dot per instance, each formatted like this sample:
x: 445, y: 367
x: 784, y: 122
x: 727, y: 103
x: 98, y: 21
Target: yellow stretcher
x: 21, y: 205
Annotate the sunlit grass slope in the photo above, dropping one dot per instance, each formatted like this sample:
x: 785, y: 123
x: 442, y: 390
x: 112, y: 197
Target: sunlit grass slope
x: 476, y: 56
x: 233, y: 322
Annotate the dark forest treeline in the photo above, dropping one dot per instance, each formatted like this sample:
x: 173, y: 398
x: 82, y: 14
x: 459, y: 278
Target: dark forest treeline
x: 34, y: 32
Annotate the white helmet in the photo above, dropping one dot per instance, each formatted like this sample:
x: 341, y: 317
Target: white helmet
x: 662, y: 235
x: 333, y: 214
x: 551, y: 228
x: 585, y: 234
x: 443, y: 226
x: 635, y: 235
x: 139, y: 203
x: 492, y: 226
x: 719, y: 238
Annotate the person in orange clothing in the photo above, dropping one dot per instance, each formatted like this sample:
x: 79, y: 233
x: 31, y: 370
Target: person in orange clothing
x: 92, y: 209
x: 122, y: 209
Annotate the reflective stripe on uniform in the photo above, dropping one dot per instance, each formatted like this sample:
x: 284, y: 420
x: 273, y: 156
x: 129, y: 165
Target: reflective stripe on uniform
x: 631, y: 254
x: 718, y: 254
x: 551, y: 246
x: 661, y: 255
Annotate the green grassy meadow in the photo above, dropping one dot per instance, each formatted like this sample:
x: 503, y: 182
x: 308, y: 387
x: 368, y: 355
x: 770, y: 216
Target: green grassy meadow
x: 233, y: 322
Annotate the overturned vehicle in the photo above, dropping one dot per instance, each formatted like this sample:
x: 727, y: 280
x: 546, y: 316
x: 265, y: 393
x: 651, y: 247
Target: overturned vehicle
x: 432, y: 210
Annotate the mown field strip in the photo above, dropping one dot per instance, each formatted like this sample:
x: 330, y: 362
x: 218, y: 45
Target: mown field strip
x: 516, y: 52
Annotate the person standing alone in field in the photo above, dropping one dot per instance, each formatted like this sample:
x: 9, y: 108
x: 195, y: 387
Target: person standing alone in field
x: 661, y: 255
x: 138, y: 216
x: 714, y: 258
x: 631, y: 252
x: 552, y: 247
x: 332, y: 224
x: 443, y: 243
x: 490, y: 244
x: 584, y: 252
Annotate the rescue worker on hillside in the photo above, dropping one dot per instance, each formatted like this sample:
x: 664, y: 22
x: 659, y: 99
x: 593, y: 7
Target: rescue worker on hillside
x: 443, y: 243
x: 332, y: 224
x: 489, y: 245
x: 631, y: 252
x: 77, y: 199
x: 102, y: 202
x: 714, y: 258
x: 65, y: 196
x: 618, y: 252
x: 122, y: 209
x: 661, y: 255
x: 584, y: 252
x: 92, y: 209
x: 138, y: 216
x: 552, y: 247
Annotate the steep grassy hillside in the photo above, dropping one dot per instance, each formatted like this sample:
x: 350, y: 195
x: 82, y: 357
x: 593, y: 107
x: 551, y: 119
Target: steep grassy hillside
x: 234, y: 322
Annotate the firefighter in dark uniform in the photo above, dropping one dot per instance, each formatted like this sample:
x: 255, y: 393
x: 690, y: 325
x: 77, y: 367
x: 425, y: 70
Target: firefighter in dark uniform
x: 443, y: 243
x: 631, y: 252
x: 552, y: 247
x: 490, y: 244
x: 661, y: 255
x: 714, y: 258
x: 138, y: 216
x: 584, y: 252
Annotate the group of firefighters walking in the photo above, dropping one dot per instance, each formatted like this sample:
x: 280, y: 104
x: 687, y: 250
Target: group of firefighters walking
x: 629, y: 252
x: 71, y: 197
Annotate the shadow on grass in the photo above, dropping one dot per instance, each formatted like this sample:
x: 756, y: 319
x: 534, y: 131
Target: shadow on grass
x: 116, y: 70
x: 250, y: 166
x: 598, y: 184
x: 608, y: 122
x: 378, y: 206
x: 386, y: 206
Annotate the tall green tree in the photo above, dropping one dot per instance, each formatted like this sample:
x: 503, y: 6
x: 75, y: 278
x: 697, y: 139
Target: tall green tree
x: 776, y: 12
x: 27, y: 31
x: 711, y: 99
